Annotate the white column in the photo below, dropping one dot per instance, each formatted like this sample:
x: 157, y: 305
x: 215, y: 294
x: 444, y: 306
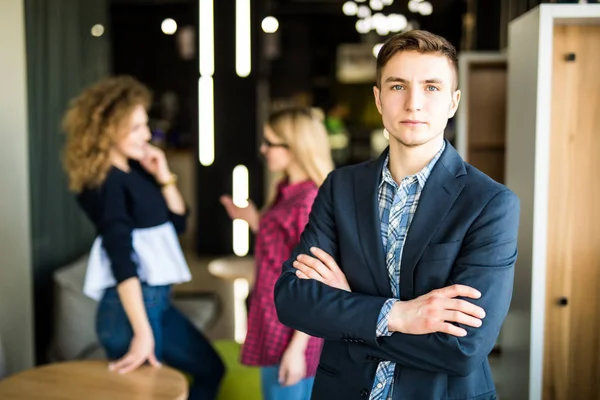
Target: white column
x: 16, y: 312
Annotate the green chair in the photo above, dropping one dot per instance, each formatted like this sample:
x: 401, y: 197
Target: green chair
x: 240, y: 382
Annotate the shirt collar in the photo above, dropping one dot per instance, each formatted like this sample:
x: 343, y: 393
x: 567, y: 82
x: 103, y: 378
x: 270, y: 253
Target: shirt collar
x: 286, y: 190
x: 421, y: 176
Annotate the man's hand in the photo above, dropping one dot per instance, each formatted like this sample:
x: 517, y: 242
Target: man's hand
x: 323, y: 269
x: 436, y: 311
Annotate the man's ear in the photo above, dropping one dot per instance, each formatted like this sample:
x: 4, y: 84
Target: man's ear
x: 454, y: 103
x: 376, y: 93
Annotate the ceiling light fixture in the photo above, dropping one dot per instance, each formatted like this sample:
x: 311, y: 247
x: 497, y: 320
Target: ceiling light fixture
x: 349, y: 8
x: 376, y: 5
x: 413, y: 6
x: 425, y: 8
x: 270, y: 24
x: 169, y: 26
x: 363, y: 12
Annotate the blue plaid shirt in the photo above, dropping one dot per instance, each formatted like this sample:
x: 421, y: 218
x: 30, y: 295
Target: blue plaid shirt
x: 397, y: 206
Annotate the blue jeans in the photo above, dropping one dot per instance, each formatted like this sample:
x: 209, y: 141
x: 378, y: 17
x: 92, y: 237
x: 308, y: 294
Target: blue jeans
x: 272, y: 390
x: 177, y: 342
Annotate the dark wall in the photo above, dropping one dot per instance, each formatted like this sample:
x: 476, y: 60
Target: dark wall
x: 141, y: 49
x: 62, y: 58
x: 446, y: 22
x: 309, y: 36
x: 236, y: 133
x: 487, y: 30
x: 511, y: 9
x: 308, y: 47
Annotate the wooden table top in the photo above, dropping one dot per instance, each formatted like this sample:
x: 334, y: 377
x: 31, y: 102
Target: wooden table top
x: 91, y: 380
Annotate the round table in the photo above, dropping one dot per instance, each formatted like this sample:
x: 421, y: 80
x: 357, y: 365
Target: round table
x: 240, y: 270
x: 91, y: 380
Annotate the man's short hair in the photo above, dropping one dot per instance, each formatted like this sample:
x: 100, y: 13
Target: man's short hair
x: 420, y: 41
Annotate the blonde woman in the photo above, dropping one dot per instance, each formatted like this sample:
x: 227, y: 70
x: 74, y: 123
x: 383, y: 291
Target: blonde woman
x: 125, y: 187
x: 295, y: 143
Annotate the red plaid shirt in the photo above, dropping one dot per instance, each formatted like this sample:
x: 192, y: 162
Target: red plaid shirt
x: 278, y: 233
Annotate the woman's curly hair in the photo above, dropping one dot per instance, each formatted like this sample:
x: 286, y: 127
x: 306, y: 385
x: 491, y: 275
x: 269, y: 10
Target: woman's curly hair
x: 93, y: 123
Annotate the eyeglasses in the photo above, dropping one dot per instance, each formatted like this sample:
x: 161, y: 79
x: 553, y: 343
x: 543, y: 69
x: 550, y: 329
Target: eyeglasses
x: 269, y: 144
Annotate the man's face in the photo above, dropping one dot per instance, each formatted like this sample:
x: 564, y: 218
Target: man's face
x: 417, y: 96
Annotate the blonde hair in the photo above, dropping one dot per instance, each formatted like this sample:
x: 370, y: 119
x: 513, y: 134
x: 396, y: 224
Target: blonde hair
x: 93, y: 123
x: 302, y: 129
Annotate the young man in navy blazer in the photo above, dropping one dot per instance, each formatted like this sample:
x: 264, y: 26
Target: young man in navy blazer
x: 406, y: 264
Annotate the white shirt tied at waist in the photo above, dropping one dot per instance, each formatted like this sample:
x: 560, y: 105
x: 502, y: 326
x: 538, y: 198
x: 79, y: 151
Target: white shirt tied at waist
x: 156, y: 252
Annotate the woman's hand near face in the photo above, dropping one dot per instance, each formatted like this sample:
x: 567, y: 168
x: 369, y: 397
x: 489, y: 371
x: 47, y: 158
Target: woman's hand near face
x: 155, y: 162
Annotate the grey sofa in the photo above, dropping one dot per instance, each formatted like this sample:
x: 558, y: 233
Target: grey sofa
x: 74, y: 336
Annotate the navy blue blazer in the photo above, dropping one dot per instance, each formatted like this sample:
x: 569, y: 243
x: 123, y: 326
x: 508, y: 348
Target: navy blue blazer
x: 464, y: 231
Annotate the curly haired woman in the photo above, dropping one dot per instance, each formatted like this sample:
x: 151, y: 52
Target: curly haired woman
x: 126, y: 188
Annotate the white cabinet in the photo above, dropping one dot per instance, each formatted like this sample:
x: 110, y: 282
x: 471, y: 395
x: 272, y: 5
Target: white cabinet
x: 551, y: 338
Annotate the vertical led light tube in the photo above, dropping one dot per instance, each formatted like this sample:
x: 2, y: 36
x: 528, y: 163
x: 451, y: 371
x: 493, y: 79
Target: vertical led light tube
x: 243, y: 48
x: 206, y: 121
x: 240, y: 192
x: 240, y: 293
x: 206, y: 115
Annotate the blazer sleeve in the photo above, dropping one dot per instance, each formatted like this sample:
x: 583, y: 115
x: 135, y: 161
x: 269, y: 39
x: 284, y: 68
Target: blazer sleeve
x: 486, y: 262
x: 313, y: 307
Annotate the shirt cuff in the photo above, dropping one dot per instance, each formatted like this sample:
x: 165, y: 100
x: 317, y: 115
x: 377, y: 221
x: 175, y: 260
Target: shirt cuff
x: 180, y: 220
x: 384, y: 316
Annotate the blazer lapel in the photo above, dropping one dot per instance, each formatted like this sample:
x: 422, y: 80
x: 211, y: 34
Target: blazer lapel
x: 440, y: 191
x: 366, y: 188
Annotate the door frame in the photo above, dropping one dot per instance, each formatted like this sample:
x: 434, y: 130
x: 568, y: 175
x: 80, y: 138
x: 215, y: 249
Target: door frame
x: 465, y: 61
